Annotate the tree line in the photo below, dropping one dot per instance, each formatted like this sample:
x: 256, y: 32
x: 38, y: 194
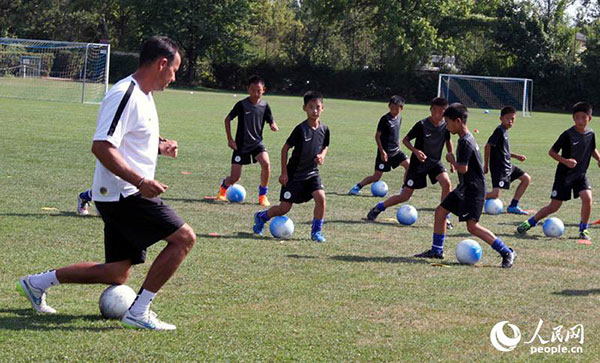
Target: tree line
x: 346, y: 48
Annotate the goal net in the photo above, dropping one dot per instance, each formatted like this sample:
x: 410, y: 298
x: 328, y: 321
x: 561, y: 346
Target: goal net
x: 53, y: 70
x: 487, y: 92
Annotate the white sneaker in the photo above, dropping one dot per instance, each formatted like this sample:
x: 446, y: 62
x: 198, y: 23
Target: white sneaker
x: 36, y: 297
x: 82, y: 206
x: 147, y: 321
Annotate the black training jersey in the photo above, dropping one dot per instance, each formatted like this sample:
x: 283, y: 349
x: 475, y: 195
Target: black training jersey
x: 251, y: 121
x: 390, y: 133
x: 429, y: 139
x: 307, y: 143
x: 574, y: 145
x: 472, y: 183
x: 500, y: 152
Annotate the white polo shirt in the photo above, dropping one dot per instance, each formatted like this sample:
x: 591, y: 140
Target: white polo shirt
x: 128, y: 120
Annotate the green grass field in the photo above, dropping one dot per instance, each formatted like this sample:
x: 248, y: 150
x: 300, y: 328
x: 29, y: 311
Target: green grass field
x: 358, y: 297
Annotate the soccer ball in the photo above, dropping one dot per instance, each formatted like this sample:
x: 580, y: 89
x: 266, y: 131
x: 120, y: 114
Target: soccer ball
x: 493, y: 206
x: 486, y: 111
x: 282, y: 227
x: 236, y: 193
x: 553, y: 227
x: 115, y: 300
x: 407, y: 215
x: 379, y: 188
x: 468, y: 252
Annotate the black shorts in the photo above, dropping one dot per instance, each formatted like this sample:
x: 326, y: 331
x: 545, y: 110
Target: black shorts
x: 133, y: 224
x: 562, y: 190
x: 300, y: 191
x: 392, y: 163
x: 248, y: 157
x: 465, y: 207
x: 416, y: 176
x: 503, y: 181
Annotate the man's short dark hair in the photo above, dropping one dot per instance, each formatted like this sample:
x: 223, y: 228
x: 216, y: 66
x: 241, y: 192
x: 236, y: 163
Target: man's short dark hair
x: 396, y: 100
x: 255, y: 79
x: 312, y: 95
x: 157, y: 47
x: 506, y: 110
x: 457, y: 110
x: 582, y: 107
x: 439, y: 101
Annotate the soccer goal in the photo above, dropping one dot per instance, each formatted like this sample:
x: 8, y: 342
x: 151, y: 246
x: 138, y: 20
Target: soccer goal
x: 487, y: 92
x: 53, y: 70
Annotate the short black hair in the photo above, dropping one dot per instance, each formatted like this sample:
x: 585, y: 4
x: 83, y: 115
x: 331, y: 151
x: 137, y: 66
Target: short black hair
x: 157, y: 47
x: 506, y: 110
x: 582, y: 107
x: 457, y: 110
x: 312, y: 95
x: 396, y: 100
x: 439, y: 101
x: 255, y: 79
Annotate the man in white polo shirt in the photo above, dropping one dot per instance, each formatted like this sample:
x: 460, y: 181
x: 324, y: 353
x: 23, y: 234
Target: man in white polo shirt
x: 126, y: 145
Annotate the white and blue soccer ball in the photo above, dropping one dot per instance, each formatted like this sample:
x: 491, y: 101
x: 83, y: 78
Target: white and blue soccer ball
x: 282, y: 227
x: 379, y: 188
x: 493, y: 206
x: 468, y: 252
x: 553, y: 227
x: 407, y: 215
x: 115, y: 300
x: 236, y: 193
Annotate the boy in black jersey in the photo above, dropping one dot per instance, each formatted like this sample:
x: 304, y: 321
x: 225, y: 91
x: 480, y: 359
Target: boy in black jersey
x: 300, y: 176
x: 578, y: 145
x: 497, y: 152
x: 387, y: 137
x: 430, y: 136
x: 466, y: 201
x: 252, y: 112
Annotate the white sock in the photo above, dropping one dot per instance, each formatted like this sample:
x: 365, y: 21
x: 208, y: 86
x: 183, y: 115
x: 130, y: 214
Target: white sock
x: 44, y: 280
x: 142, y: 302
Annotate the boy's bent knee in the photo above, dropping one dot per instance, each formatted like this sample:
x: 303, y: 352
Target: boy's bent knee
x: 185, y: 237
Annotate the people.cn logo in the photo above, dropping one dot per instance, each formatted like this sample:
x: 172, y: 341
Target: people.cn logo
x: 502, y: 342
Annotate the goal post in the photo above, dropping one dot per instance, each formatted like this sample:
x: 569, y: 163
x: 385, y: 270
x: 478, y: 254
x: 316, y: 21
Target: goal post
x: 487, y: 92
x: 53, y: 70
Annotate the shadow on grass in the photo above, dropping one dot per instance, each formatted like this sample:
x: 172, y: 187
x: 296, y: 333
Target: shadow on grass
x: 386, y: 259
x: 307, y: 257
x: 578, y: 292
x: 27, y: 319
x: 204, y: 200
x: 507, y: 235
x: 348, y: 195
x: 246, y: 235
x: 49, y: 214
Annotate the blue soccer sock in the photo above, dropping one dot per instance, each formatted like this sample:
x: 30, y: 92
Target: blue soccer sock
x: 224, y: 185
x: 380, y: 207
x: 448, y: 216
x: 438, y: 243
x: 499, y: 246
x: 263, y: 216
x: 532, y: 221
x: 262, y: 190
x: 513, y: 203
x: 317, y: 225
x: 359, y: 186
x: 582, y: 226
x: 87, y: 195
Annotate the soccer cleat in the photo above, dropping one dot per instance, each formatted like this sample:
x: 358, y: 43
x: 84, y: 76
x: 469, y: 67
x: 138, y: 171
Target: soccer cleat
x: 355, y: 190
x: 222, y: 196
x: 373, y: 213
x: 430, y: 254
x: 36, y: 297
x: 585, y: 234
x: 82, y: 206
x: 523, y: 227
x: 517, y: 210
x: 263, y: 200
x: 317, y: 236
x: 509, y: 258
x: 146, y: 321
x: 259, y: 225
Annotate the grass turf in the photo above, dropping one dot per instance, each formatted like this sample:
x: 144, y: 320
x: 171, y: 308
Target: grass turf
x: 359, y: 296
